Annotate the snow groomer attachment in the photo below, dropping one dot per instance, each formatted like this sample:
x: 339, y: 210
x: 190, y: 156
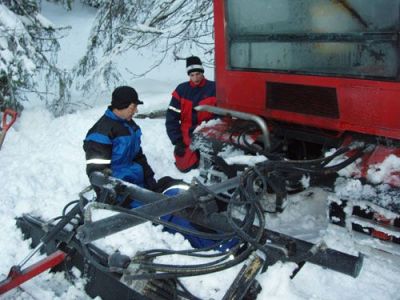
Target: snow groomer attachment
x: 212, y: 217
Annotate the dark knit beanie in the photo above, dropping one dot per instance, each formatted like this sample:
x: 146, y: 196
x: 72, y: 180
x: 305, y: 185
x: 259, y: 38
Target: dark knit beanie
x: 193, y: 64
x: 123, y: 96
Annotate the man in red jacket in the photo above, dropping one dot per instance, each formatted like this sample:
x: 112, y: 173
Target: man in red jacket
x: 182, y: 119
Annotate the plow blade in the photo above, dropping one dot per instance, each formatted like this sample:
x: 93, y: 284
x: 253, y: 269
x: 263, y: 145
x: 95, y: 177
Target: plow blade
x: 99, y: 283
x: 109, y: 285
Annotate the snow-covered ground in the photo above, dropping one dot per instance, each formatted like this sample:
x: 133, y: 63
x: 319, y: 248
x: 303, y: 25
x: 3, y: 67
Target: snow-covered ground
x: 43, y: 168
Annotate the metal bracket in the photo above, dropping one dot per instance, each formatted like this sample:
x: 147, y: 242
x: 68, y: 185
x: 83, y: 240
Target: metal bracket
x: 240, y: 115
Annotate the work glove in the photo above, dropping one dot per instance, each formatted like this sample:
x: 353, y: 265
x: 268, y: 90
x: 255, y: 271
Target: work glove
x: 180, y: 149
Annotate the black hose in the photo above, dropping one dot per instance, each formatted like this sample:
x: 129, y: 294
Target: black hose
x: 191, y: 252
x: 185, y: 294
x: 179, y: 272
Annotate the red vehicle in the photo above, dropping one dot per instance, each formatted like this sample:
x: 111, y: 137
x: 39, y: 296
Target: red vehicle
x: 319, y: 74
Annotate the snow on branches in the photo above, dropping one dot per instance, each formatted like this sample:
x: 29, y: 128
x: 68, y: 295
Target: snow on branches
x: 28, y: 47
x: 165, y: 27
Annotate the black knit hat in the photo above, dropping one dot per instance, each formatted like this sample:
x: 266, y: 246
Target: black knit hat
x: 193, y: 64
x: 123, y: 96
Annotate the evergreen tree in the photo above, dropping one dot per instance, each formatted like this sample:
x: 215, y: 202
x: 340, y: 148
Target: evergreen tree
x: 28, y: 48
x: 164, y: 27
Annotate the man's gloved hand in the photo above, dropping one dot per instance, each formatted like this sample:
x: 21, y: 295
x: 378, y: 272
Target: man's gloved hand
x: 180, y: 149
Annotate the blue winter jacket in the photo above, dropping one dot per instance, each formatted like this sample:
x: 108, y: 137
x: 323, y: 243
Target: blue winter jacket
x: 115, y: 143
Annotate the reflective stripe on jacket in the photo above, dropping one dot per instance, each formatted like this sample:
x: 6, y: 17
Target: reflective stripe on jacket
x: 182, y: 119
x: 115, y: 143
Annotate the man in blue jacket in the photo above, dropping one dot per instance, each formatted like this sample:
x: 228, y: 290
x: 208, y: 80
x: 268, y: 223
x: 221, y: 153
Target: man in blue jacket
x: 182, y: 119
x: 114, y: 142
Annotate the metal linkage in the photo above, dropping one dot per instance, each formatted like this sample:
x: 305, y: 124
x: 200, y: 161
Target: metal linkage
x: 155, y: 205
x: 278, y: 246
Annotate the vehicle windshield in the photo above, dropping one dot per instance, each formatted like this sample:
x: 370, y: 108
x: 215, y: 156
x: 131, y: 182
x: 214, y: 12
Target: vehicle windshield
x: 352, y: 38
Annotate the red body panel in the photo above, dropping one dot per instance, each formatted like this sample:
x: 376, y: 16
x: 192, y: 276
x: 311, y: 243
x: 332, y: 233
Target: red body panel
x: 365, y: 106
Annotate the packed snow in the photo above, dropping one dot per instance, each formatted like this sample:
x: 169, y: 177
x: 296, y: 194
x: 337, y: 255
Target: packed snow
x: 43, y: 169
